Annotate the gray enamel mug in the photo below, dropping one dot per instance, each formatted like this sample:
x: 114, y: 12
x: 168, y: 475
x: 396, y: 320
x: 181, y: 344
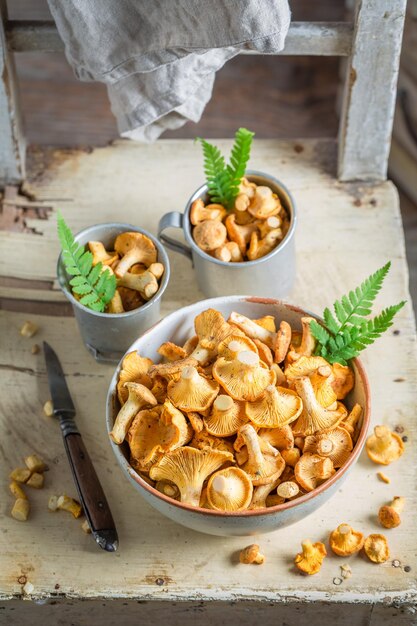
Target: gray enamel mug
x: 270, y: 276
x: 107, y: 336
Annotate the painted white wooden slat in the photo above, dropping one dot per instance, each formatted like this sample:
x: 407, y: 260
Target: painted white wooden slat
x: 370, y: 90
x: 304, y: 38
x: 12, y: 146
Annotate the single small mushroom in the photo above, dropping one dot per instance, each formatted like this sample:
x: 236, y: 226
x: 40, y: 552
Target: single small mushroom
x: 384, y: 446
x: 376, y: 548
x: 315, y: 417
x: 200, y: 213
x: 351, y: 422
x: 211, y: 329
x: 246, y: 187
x: 271, y: 223
x: 275, y: 408
x: 134, y: 248
x: 345, y: 541
x: 229, y: 490
x: 312, y: 469
x: 188, y: 468
x: 243, y: 378
x: 288, y: 490
x: 192, y: 392
x: 226, y: 417
x: 282, y: 341
x: 145, y: 283
x: 309, y: 561
x: 261, y: 493
x: 139, y: 397
x: 281, y: 438
x: 291, y: 456
x: 239, y: 233
x: 262, y: 468
x: 389, y: 514
x: 335, y: 444
x: 304, y: 366
x: 157, y: 431
x: 134, y: 369
x: 251, y: 555
x: 343, y: 381
x: 115, y: 305
x: 100, y: 254
x: 209, y: 235
x: 261, y: 247
x: 265, y: 203
x: 171, y: 352
x: 242, y: 203
x: 308, y: 342
x: 171, y: 370
x: 252, y: 329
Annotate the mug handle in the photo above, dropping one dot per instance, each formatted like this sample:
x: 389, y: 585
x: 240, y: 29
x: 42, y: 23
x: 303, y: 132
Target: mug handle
x: 174, y: 219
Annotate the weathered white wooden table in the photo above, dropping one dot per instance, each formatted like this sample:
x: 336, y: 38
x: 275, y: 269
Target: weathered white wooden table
x: 164, y: 573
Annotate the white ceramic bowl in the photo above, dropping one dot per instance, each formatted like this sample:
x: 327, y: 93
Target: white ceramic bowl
x: 178, y: 327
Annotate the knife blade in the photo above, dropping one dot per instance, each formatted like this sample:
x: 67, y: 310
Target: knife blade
x: 88, y: 486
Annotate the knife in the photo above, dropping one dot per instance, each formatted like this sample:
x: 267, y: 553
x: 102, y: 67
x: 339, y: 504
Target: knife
x: 89, y: 489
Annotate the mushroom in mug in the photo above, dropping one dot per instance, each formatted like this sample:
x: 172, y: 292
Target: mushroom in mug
x: 133, y: 248
x: 210, y: 235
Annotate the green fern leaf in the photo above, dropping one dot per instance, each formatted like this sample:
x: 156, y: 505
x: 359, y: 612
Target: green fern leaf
x: 320, y: 333
x: 96, y: 285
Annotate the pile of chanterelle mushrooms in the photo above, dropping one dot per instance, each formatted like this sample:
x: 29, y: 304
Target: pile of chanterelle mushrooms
x: 242, y: 416
x: 134, y: 261
x: 255, y: 226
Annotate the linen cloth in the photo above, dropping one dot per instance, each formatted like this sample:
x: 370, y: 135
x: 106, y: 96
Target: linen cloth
x: 158, y: 58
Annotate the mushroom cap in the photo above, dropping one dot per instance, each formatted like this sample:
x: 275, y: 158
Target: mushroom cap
x: 384, y: 446
x: 312, y: 469
x: 188, y: 468
x: 172, y: 352
x: 310, y: 559
x: 139, y: 397
x: 156, y: 431
x: 229, y: 490
x: 344, y: 380
x: 267, y: 322
x: 226, y: 417
x: 203, y: 440
x: 172, y: 370
x: 243, y: 378
x: 335, y: 444
x: 159, y: 388
x: 291, y: 456
x: 137, y: 248
x: 376, y: 548
x: 251, y: 554
x: 315, y: 417
x: 131, y: 299
x: 190, y: 344
x: 199, y: 212
x: 265, y: 353
x: 282, y: 342
x: 345, y: 541
x: 192, y: 392
x: 210, y: 234
x: 230, y: 347
x: 288, y: 489
x: 281, y: 438
x: 265, y: 203
x: 134, y: 369
x: 389, y: 515
x: 100, y: 254
x: 211, y: 329
x: 240, y: 234
x: 275, y: 408
x: 304, y: 366
x: 321, y: 383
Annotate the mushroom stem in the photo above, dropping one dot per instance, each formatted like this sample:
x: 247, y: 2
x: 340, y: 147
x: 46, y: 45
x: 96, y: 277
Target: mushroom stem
x: 145, y: 283
x: 252, y: 329
x: 251, y: 439
x: 398, y: 503
x: 383, y: 436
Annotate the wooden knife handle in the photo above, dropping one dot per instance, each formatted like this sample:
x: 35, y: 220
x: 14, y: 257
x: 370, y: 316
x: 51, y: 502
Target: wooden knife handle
x: 91, y: 493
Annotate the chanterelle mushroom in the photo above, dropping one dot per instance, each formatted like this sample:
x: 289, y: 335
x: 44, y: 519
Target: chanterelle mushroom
x: 276, y: 407
x: 389, y: 514
x: 315, y: 417
x: 308, y: 342
x: 310, y: 559
x: 343, y: 380
x: 265, y: 203
x: 100, y: 254
x: 384, y: 446
x: 230, y: 347
x: 229, y: 489
x: 200, y: 213
x: 226, y: 417
x: 134, y: 248
x: 312, y: 469
x: 345, y: 541
x: 261, y: 493
x: 335, y: 444
x: 262, y: 468
x: 288, y: 489
x: 156, y: 431
x: 376, y: 548
x: 240, y: 234
x: 192, y: 392
x: 188, y: 468
x: 281, y: 438
x: 211, y: 329
x: 304, y: 366
x: 134, y: 370
x: 251, y: 554
x: 261, y: 247
x: 145, y: 283
x: 209, y: 235
x: 243, y: 378
x: 139, y: 397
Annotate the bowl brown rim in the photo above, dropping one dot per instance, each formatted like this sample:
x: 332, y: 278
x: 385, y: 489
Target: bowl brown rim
x: 278, y: 507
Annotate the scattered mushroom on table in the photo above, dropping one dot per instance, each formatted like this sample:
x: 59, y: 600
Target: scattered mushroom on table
x: 256, y: 225
x: 242, y: 415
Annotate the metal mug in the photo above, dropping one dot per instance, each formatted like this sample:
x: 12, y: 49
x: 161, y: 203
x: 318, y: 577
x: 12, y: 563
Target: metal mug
x: 107, y: 336
x: 272, y: 275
